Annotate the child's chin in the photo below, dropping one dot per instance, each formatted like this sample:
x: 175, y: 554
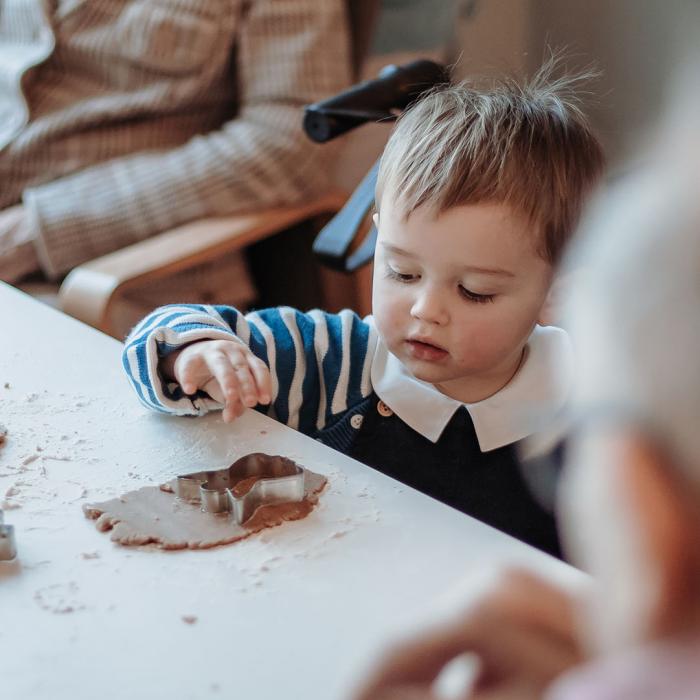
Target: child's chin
x: 427, y: 372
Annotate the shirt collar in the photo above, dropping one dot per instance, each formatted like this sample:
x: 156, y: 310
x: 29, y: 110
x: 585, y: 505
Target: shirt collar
x: 533, y: 398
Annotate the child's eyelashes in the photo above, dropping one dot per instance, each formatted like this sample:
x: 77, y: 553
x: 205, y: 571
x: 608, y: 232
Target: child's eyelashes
x: 408, y: 277
x: 474, y: 297
x: 400, y: 276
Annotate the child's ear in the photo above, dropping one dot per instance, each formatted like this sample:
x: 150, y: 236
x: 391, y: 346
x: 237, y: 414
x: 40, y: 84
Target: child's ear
x: 551, y: 311
x: 548, y: 312
x: 666, y: 523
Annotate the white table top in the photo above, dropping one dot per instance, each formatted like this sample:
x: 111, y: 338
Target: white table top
x: 297, y: 611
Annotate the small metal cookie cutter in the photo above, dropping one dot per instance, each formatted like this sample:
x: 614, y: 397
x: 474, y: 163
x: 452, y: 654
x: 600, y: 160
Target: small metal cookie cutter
x: 8, y: 547
x: 277, y: 480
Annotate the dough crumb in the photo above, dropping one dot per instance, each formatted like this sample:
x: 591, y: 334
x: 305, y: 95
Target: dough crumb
x: 90, y: 555
x: 189, y: 619
x: 7, y: 385
x: 9, y: 505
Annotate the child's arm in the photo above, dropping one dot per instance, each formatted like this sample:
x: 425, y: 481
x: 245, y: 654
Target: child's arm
x: 318, y: 363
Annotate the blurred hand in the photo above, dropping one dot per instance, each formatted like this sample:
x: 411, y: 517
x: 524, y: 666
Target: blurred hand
x: 522, y: 632
x: 226, y: 369
x: 17, y: 253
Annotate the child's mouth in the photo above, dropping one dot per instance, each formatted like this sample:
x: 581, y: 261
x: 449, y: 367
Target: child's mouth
x: 426, y: 351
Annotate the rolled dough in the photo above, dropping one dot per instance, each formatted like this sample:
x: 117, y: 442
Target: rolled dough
x: 154, y: 515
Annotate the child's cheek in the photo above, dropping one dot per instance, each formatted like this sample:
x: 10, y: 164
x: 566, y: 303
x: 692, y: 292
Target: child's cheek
x: 483, y: 344
x: 386, y: 321
x: 388, y: 307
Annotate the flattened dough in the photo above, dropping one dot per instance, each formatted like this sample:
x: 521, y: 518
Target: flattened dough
x: 154, y: 515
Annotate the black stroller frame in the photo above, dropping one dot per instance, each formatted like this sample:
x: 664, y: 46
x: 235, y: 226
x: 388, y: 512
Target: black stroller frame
x: 381, y: 99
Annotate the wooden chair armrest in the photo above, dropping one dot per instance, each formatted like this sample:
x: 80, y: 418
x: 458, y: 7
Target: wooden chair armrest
x: 89, y: 290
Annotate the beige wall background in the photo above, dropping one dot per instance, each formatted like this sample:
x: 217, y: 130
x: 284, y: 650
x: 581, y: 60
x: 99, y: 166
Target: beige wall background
x: 636, y: 44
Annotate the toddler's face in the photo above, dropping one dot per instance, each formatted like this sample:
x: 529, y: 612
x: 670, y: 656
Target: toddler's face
x: 456, y: 297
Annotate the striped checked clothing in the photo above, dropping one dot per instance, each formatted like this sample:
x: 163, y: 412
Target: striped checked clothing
x: 120, y: 119
x: 319, y: 362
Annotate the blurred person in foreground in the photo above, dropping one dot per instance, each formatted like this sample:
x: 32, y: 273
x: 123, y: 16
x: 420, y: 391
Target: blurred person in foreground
x: 629, y: 503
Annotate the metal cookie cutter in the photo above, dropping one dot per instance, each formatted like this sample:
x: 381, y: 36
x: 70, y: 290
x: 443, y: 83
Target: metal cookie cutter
x: 276, y: 480
x: 8, y: 548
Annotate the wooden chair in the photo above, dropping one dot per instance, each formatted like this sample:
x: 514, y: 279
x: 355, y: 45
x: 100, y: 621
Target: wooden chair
x: 93, y: 291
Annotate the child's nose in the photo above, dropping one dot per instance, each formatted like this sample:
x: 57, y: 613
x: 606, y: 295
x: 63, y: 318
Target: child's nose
x: 430, y: 306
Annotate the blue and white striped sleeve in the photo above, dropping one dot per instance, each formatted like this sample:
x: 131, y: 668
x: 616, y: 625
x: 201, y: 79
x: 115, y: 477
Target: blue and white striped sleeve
x: 319, y: 362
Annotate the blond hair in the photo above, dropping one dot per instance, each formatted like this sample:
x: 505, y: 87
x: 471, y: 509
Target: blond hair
x: 528, y: 146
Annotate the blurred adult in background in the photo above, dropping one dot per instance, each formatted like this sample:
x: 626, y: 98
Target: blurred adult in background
x: 120, y: 119
x: 630, y: 501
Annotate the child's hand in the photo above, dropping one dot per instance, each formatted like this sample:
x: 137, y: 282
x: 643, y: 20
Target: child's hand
x: 227, y: 370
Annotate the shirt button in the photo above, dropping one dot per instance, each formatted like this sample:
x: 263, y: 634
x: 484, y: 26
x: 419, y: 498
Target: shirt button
x: 384, y: 410
x: 356, y: 421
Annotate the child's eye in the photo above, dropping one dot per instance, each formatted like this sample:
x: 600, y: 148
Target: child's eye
x: 400, y: 276
x: 474, y: 297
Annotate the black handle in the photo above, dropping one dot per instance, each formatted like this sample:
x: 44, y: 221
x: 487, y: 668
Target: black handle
x: 372, y: 100
x: 333, y: 242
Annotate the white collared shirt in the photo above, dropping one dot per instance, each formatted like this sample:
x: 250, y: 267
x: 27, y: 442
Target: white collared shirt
x: 532, y: 399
